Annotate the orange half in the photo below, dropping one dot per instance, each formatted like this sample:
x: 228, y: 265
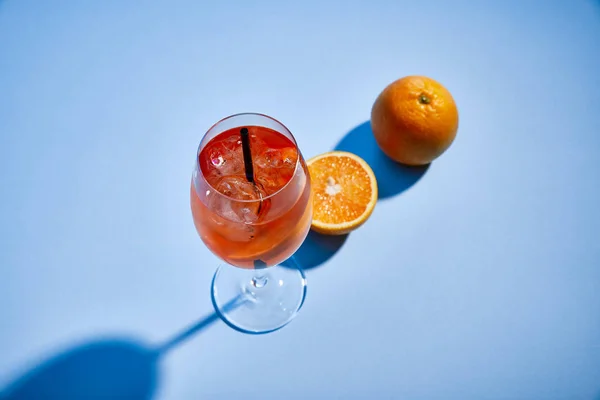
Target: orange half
x: 344, y: 192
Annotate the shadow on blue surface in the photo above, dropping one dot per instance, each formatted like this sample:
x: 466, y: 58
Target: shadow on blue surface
x: 315, y: 251
x: 105, y: 369
x: 102, y: 369
x: 392, y: 178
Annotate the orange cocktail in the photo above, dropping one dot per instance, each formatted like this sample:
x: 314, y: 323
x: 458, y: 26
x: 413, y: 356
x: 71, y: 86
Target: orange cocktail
x: 251, y: 205
x: 249, y: 224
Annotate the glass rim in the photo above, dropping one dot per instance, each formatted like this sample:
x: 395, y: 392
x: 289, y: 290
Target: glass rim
x: 254, y: 114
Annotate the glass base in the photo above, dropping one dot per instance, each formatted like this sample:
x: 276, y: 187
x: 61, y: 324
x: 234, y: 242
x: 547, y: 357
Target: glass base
x: 267, y: 299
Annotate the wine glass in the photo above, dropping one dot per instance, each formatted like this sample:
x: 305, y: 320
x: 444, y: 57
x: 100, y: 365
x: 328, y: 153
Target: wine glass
x: 252, y: 207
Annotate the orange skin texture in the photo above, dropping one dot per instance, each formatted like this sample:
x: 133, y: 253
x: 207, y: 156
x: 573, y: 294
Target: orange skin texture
x: 414, y: 120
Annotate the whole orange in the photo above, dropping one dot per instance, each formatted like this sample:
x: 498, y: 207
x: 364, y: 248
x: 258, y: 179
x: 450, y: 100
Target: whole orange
x: 414, y: 120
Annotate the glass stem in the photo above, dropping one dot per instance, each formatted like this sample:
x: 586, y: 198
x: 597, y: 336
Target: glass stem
x: 259, y: 280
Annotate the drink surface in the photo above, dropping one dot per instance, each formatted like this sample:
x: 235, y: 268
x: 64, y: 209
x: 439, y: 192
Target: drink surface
x: 251, y: 224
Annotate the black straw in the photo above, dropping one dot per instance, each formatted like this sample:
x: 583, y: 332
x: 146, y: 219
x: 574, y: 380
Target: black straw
x: 259, y: 264
x: 247, y: 155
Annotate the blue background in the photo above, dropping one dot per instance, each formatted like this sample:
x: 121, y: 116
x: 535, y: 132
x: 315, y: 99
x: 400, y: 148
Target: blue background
x: 476, y: 278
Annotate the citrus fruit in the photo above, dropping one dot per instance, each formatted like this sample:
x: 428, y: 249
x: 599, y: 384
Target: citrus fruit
x: 414, y: 120
x: 344, y: 192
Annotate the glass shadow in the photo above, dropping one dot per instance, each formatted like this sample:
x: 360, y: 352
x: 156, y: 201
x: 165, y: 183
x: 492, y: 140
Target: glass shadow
x: 315, y: 251
x: 107, y: 368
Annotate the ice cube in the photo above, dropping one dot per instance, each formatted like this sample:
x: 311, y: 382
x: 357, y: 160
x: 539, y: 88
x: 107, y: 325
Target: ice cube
x: 271, y: 182
x: 284, y: 158
x: 275, y: 167
x: 227, y: 222
x: 257, y: 145
x: 224, y: 157
x: 243, y: 202
x: 268, y: 159
x: 237, y: 187
x: 289, y: 156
